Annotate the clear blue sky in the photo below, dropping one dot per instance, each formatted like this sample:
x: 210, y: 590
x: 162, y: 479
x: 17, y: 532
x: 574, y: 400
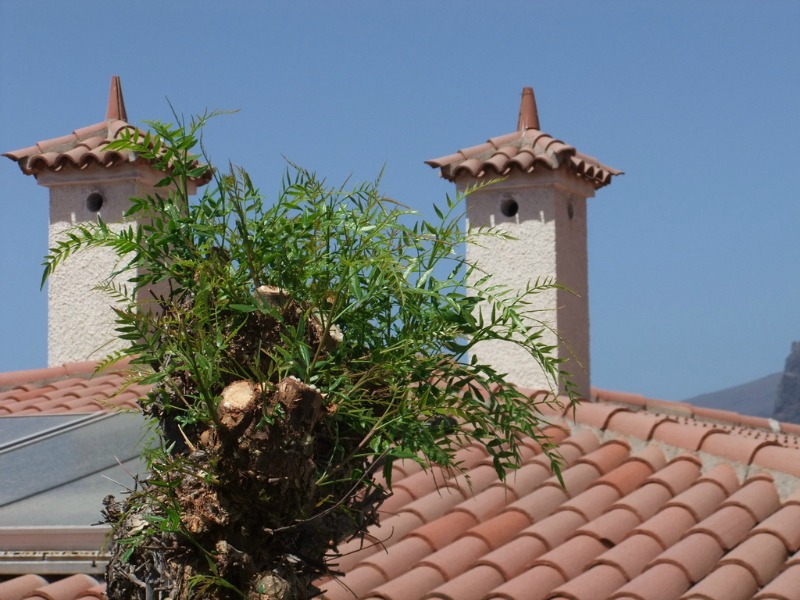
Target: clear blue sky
x: 694, y: 253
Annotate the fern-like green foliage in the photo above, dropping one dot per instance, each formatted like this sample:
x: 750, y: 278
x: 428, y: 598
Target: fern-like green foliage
x: 389, y: 291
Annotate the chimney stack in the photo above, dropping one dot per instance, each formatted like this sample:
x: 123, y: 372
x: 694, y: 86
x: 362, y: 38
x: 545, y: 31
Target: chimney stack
x: 86, y: 182
x: 541, y: 202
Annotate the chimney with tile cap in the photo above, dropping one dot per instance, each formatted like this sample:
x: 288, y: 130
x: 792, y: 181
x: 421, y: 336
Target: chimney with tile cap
x: 540, y: 200
x: 86, y: 182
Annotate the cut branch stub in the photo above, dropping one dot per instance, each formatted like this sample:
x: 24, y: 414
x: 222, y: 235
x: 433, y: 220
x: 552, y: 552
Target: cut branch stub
x: 239, y: 399
x: 302, y: 402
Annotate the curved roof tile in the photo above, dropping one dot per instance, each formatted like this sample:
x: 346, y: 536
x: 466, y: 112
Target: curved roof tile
x: 641, y: 509
x: 85, y: 147
x: 523, y: 151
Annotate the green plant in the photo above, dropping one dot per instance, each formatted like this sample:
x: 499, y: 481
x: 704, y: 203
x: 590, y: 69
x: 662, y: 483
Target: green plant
x: 294, y: 348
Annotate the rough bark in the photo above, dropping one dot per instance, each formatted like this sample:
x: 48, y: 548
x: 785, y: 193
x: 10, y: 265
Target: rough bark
x: 236, y: 504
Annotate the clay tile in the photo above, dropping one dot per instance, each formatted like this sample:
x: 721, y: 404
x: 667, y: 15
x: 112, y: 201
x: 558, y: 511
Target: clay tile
x: 528, y: 113
x: 644, y: 502
x: 356, y: 583
x: 668, y: 525
x: 758, y: 496
x: 733, y: 447
x: 678, y: 475
x: 502, y: 528
x: 554, y: 530
x: 783, y: 587
x: 419, y: 484
x: 413, y: 584
x: 628, y: 476
x: 762, y: 554
x: 596, y: 583
x: 754, y: 422
x: 728, y: 582
x: 474, y: 151
x: 473, y: 166
x: 696, y: 554
x: 487, y: 504
x: 681, y: 435
x: 715, y: 414
x: 69, y: 587
x: 405, y: 468
x: 668, y: 579
x: 527, y: 478
x: 541, y: 503
x: 729, y: 525
x: 594, y: 414
x: 20, y: 587
x: 442, y: 531
x: 524, y: 161
x: 576, y: 479
x: 531, y: 585
x: 475, y: 481
x: 498, y: 162
x: 472, y: 585
x: 611, y: 528
x: 96, y: 592
x: 456, y: 558
x: 786, y: 460
x: 670, y: 407
x: 785, y: 525
x: 636, y: 424
x: 619, y: 397
x: 572, y: 556
x: 631, y: 556
x: 609, y: 456
x: 723, y: 476
x: 591, y: 503
x: 404, y: 555
x: 585, y: 441
x: 435, y: 504
x: 48, y: 146
x: 395, y: 528
x: 702, y: 499
x: 793, y: 428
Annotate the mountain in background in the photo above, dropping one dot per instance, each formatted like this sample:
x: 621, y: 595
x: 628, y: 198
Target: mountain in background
x: 757, y: 398
x: 787, y: 405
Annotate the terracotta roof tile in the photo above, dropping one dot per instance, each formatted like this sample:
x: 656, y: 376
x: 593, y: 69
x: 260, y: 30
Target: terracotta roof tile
x: 525, y: 151
x: 631, y: 556
x: 665, y: 581
x: 728, y: 582
x: 85, y: 146
x: 20, y: 587
x: 629, y: 524
x: 785, y: 585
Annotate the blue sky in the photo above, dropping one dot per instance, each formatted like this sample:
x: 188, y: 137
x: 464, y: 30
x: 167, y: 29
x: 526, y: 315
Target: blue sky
x: 694, y: 252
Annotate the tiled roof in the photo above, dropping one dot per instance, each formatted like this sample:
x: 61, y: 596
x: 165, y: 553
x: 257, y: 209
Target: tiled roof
x: 524, y: 150
x: 69, y: 388
x: 84, y: 147
x: 34, y: 587
x: 663, y: 500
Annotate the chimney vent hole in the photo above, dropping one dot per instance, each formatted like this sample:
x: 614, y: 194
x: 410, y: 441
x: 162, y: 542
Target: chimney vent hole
x: 509, y: 207
x: 94, y: 202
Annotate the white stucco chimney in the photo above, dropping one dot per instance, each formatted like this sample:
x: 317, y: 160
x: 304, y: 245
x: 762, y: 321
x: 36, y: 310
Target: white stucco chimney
x: 540, y: 201
x: 85, y: 182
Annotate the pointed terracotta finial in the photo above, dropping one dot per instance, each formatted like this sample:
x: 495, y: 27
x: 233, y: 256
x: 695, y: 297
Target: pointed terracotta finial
x: 528, y: 115
x: 116, y: 105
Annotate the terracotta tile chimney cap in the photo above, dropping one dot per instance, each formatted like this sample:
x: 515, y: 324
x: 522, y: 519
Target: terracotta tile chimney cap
x: 528, y: 115
x: 116, y: 104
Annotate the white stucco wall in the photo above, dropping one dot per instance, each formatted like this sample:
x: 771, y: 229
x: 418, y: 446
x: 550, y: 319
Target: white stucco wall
x: 549, y: 243
x: 80, y: 320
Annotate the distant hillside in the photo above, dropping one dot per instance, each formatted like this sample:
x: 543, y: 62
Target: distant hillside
x: 755, y: 398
